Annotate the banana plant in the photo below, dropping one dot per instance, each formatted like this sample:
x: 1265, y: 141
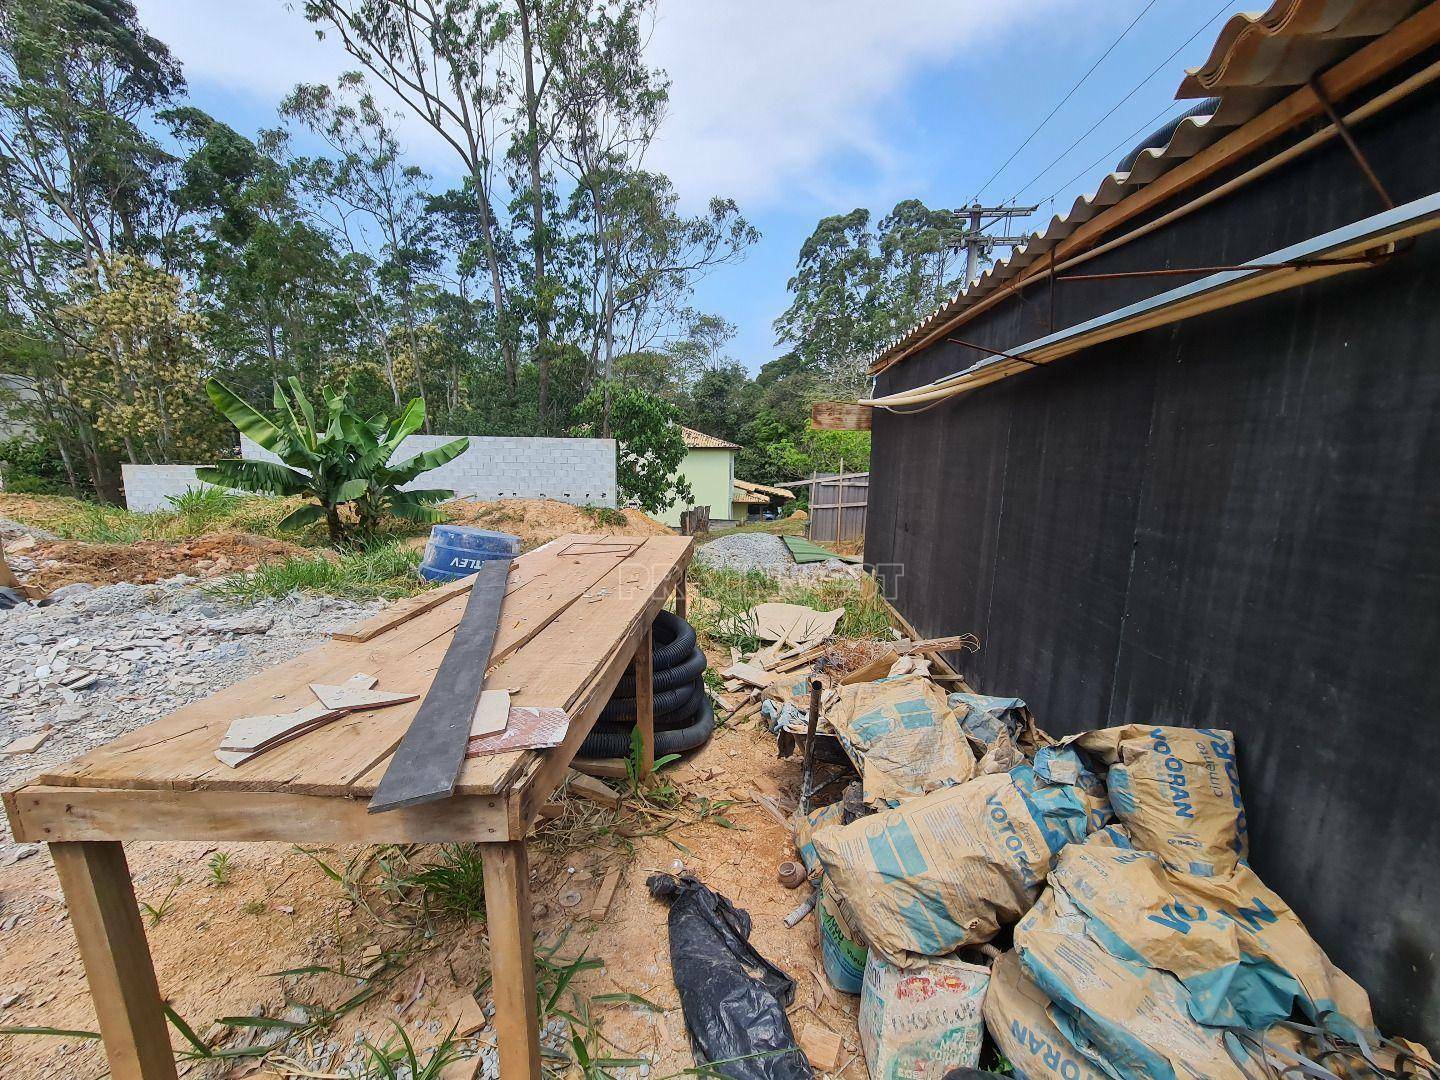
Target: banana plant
x: 344, y: 462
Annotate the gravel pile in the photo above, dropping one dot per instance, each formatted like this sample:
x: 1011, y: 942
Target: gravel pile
x: 11, y: 530
x: 767, y: 552
x: 101, y: 662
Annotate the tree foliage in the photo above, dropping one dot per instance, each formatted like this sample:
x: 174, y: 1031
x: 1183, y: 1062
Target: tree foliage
x: 651, y: 447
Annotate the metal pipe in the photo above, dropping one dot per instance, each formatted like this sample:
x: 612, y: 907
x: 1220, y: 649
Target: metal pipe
x: 1351, y: 245
x: 808, y: 774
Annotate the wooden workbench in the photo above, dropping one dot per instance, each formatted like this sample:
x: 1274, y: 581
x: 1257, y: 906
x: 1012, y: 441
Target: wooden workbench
x: 576, y: 615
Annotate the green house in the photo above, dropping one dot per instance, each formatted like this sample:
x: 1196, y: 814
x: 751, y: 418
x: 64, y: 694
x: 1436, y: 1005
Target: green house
x: 709, y: 465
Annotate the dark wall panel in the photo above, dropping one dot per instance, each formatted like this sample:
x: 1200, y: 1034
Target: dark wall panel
x: 1232, y: 521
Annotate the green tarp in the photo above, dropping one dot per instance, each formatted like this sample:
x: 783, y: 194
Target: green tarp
x: 805, y: 551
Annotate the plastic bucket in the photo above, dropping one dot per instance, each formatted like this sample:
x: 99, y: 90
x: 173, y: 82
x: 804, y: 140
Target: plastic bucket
x: 841, y: 953
x: 454, y: 551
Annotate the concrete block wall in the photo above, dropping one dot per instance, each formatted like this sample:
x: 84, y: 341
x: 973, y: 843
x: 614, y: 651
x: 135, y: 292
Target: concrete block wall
x: 577, y: 471
x: 147, y: 486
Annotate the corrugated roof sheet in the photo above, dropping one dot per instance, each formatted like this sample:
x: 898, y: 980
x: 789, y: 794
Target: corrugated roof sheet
x: 698, y: 440
x: 1256, y: 60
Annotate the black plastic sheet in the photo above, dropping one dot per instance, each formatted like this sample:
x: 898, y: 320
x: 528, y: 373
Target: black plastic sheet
x: 733, y: 999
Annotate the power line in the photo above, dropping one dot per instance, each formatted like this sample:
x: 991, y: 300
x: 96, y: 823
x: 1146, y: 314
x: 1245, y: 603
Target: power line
x: 1129, y: 140
x: 1070, y: 93
x: 1115, y: 108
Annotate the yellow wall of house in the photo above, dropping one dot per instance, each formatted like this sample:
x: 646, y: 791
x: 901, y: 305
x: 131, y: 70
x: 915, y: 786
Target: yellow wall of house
x: 712, y: 478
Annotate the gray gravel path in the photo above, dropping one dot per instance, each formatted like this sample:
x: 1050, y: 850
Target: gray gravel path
x: 105, y: 661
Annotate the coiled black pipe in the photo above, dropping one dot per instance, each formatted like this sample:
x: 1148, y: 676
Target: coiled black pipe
x: 673, y: 720
x: 612, y: 744
x: 687, y: 671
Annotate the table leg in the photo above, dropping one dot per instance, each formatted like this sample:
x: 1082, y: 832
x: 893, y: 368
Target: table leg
x: 681, y: 600
x: 643, y: 668
x: 106, y: 921
x: 512, y: 959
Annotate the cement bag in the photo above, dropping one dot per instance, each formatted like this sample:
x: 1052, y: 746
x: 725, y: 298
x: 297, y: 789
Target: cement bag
x: 950, y: 868
x: 1177, y: 791
x: 1125, y: 1019
x: 1237, y: 948
x: 918, y: 1023
x: 1061, y: 765
x: 983, y: 718
x: 1018, y: 1019
x: 904, y: 737
x: 805, y: 827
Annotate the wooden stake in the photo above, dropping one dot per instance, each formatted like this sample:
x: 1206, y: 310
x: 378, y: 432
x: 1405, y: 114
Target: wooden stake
x: 512, y: 959
x: 101, y: 900
x: 644, y: 671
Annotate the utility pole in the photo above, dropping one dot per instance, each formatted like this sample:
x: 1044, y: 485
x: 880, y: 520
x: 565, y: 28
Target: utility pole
x: 978, y: 242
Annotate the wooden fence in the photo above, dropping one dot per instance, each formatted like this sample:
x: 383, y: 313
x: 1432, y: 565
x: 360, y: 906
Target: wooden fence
x: 837, y: 506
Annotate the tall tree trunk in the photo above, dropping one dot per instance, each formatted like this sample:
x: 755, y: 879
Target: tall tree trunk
x: 537, y: 211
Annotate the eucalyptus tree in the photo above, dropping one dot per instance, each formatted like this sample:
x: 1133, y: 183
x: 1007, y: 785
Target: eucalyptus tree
x: 446, y: 61
x: 81, y: 181
x: 379, y: 204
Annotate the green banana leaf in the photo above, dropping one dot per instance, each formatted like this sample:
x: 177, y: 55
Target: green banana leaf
x: 302, y: 516
x: 250, y: 423
x: 410, y: 468
x: 415, y: 511
x: 351, y: 490
x: 409, y: 422
x: 267, y: 477
x: 427, y: 495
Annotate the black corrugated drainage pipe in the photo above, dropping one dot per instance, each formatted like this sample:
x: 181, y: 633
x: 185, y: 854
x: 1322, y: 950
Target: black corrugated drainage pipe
x: 684, y: 718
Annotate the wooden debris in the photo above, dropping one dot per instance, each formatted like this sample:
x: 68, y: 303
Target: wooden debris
x: 492, y: 713
x: 462, y: 1068
x: 954, y: 643
x: 606, y: 768
x: 26, y: 744
x: 822, y: 1047
x: 357, y: 693
x: 601, y: 905
x: 467, y: 1016
x: 749, y: 673
x: 588, y: 787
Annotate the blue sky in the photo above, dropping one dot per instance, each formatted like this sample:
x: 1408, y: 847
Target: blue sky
x: 803, y: 109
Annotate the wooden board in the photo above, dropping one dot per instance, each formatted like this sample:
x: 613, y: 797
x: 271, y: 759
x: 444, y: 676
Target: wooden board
x: 402, y: 611
x: 840, y: 416
x: 543, y: 619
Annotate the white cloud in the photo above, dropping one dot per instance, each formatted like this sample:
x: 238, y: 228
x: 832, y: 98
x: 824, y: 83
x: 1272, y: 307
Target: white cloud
x: 774, y: 102
x: 769, y: 95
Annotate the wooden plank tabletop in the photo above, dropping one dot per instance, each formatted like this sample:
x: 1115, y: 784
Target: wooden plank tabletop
x: 571, y: 609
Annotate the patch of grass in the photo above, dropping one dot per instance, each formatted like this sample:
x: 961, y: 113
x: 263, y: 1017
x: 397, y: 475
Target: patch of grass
x: 606, y: 515
x: 253, y: 907
x: 401, y: 1061
x: 219, y: 867
x: 385, y: 570
x: 451, y: 885
x: 165, y: 907
x: 865, y: 613
x: 726, y: 596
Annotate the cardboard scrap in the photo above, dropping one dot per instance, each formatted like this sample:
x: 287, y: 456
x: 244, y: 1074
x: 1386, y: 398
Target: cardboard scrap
x: 794, y: 623
x: 253, y: 733
x: 357, y: 693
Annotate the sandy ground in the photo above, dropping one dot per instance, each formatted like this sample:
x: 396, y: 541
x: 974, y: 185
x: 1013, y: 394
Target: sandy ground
x: 61, y: 562
x: 216, y: 948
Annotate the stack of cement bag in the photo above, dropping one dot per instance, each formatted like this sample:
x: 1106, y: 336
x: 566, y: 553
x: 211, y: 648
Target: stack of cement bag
x: 1144, y: 945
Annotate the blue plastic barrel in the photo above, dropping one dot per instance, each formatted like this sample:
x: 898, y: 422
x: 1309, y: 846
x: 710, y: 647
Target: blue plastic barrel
x: 454, y: 551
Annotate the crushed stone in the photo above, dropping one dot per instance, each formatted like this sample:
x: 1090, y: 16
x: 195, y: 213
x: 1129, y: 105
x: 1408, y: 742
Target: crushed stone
x: 101, y: 662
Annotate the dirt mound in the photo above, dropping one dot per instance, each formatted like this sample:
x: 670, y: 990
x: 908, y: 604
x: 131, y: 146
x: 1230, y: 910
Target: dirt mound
x: 62, y: 562
x: 537, y: 520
